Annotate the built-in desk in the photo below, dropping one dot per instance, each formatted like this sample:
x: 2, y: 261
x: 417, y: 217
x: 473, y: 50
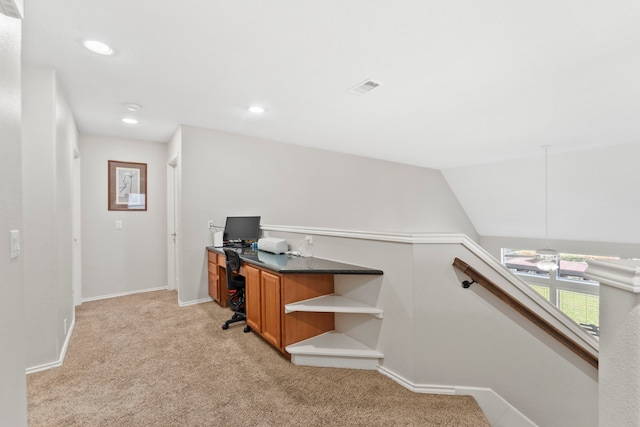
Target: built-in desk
x: 289, y: 299
x: 289, y: 264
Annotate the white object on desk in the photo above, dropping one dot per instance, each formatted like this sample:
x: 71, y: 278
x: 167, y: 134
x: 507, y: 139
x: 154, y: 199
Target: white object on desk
x: 273, y: 259
x: 273, y: 245
x: 218, y: 239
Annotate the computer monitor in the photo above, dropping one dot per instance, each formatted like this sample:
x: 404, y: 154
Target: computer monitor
x: 241, y: 229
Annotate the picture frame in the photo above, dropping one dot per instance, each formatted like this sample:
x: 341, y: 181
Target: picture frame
x: 127, y: 186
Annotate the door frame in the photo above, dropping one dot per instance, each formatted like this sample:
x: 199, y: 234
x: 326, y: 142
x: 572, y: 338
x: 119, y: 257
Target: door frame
x: 76, y: 248
x: 174, y: 265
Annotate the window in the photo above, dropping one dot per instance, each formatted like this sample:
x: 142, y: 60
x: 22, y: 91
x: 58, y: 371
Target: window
x: 520, y: 261
x: 566, y: 288
x: 582, y: 308
x: 542, y: 290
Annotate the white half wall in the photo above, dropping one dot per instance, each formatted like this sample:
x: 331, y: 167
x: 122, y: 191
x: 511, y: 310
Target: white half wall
x: 438, y: 337
x: 116, y: 262
x: 469, y: 337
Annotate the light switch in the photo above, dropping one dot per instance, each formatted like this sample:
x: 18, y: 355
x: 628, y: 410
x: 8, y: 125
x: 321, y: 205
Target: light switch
x: 14, y: 236
x: 118, y: 225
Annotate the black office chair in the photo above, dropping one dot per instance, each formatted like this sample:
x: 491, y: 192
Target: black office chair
x: 235, y: 290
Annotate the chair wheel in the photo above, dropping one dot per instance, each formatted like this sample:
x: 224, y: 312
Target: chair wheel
x: 225, y: 326
x: 247, y: 329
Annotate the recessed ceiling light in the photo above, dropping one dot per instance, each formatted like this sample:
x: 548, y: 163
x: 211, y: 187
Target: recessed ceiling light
x: 256, y: 109
x: 133, y: 107
x: 98, y: 47
x: 130, y: 121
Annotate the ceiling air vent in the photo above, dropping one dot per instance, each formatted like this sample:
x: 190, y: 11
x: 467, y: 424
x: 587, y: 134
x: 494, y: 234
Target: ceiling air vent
x: 12, y: 8
x: 365, y: 87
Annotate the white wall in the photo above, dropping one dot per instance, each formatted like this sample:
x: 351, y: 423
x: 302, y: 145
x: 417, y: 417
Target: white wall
x: 226, y: 174
x: 49, y: 139
x: 13, y: 393
x: 437, y: 336
x: 592, y: 197
x: 134, y: 258
x: 469, y: 337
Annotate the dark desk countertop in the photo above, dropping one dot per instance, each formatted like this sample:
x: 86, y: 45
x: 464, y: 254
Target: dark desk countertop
x: 289, y: 264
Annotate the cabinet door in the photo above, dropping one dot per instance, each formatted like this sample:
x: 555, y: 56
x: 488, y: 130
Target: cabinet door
x: 252, y: 302
x: 214, y: 285
x: 271, y: 308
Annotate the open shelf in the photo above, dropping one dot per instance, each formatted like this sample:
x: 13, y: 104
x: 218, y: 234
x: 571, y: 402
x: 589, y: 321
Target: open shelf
x: 333, y: 304
x: 334, y: 349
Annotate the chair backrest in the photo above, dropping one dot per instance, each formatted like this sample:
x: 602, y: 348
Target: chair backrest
x: 233, y: 266
x: 233, y: 260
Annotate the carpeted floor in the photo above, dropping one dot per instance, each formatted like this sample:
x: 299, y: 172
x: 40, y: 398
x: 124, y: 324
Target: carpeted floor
x: 141, y: 360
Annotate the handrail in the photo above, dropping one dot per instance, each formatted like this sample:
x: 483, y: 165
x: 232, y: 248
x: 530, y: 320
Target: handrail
x: 477, y: 277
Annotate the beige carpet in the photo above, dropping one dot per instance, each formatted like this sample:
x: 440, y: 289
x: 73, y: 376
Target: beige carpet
x: 141, y: 360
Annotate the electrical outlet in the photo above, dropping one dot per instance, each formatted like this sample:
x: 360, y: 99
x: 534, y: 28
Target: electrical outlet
x: 210, y: 223
x: 14, y: 238
x: 118, y: 225
x: 308, y: 239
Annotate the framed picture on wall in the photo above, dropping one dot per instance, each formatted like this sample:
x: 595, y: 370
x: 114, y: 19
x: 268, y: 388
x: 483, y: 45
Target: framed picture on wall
x: 127, y: 186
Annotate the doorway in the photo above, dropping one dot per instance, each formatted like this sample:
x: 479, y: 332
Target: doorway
x: 173, y: 229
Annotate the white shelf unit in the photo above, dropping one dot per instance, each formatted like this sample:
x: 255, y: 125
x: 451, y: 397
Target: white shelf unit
x: 334, y: 349
x: 333, y: 303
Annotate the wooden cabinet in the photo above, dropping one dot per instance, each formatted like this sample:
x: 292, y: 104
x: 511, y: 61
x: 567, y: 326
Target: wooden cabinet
x: 294, y: 310
x: 271, y: 307
x: 263, y: 304
x: 268, y: 292
x: 253, y: 305
x: 217, y: 281
x: 214, y: 281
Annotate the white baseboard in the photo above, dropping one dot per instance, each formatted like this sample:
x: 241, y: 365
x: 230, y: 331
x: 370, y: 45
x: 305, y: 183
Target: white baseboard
x: 121, y: 294
x: 194, y: 302
x: 434, y: 389
x: 63, y: 353
x: 498, y: 411
x: 160, y: 288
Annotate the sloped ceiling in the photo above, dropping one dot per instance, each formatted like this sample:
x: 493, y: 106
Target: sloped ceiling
x: 464, y: 82
x: 592, y: 196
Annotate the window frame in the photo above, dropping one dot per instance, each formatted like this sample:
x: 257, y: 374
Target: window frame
x: 552, y: 280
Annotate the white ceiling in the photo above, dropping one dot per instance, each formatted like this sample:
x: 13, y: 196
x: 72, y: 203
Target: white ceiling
x: 464, y: 81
